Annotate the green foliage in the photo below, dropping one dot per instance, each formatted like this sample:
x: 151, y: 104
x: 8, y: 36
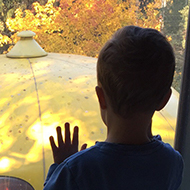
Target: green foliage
x: 172, y: 21
x: 174, y: 26
x: 184, y: 14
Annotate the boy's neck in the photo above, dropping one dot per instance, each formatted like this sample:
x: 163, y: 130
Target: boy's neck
x: 136, y: 130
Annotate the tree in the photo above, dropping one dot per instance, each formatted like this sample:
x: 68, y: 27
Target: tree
x: 7, y: 10
x: 173, y: 19
x: 143, y: 4
x: 81, y: 26
x: 174, y: 26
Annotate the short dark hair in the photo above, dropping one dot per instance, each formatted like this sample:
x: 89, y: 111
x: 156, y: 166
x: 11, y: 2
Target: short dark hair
x: 135, y: 68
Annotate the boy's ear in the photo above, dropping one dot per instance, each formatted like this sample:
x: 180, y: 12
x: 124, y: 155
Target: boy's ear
x: 101, y: 97
x: 164, y: 100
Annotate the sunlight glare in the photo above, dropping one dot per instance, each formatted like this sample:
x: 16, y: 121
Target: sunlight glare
x: 6, y: 164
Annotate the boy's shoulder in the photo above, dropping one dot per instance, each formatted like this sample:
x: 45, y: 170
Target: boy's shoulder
x: 102, y: 163
x: 108, y: 152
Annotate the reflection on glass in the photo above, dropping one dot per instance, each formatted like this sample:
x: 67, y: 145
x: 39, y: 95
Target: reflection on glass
x: 61, y: 90
x: 39, y: 94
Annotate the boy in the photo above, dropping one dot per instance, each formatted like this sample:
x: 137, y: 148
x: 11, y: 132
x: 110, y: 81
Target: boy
x: 135, y: 71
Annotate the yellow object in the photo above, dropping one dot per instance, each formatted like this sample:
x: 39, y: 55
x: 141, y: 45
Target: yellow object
x: 27, y: 47
x: 38, y: 94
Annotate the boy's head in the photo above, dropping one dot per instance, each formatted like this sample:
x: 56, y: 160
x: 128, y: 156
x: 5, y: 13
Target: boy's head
x: 135, y: 68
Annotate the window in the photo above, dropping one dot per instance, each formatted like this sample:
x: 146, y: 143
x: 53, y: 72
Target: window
x: 37, y: 94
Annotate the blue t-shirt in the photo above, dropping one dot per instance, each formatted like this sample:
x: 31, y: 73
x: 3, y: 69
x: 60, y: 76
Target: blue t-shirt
x: 107, y: 166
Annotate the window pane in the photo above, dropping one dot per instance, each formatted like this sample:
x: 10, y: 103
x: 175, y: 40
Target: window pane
x: 37, y: 94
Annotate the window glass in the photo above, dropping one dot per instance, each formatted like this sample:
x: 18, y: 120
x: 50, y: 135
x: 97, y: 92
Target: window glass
x: 38, y: 94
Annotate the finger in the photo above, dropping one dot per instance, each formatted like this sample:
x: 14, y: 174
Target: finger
x: 67, y: 134
x: 83, y: 147
x: 52, y: 143
x: 75, y: 140
x: 59, y: 136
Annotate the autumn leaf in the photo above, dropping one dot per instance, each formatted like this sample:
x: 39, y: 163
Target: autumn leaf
x: 82, y: 26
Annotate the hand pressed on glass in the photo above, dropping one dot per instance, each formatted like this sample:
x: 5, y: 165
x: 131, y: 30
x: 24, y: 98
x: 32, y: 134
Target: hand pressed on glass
x: 65, y: 148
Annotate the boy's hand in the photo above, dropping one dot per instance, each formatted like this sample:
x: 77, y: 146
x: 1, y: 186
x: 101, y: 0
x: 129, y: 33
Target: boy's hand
x: 65, y: 148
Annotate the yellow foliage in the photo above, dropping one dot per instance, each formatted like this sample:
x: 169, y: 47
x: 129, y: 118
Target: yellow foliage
x: 82, y: 26
x: 169, y: 38
x: 4, y: 40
